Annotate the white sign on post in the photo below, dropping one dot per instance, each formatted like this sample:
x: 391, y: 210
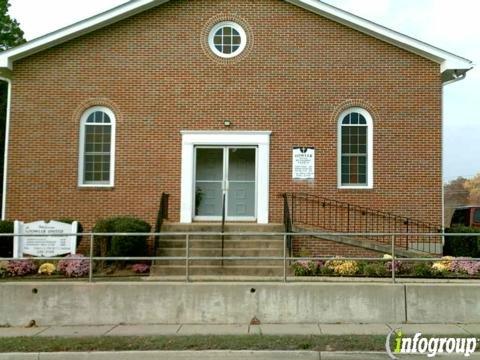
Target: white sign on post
x: 303, y: 167
x: 44, y: 244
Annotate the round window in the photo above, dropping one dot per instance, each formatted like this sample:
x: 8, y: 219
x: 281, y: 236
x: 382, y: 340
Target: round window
x: 227, y: 39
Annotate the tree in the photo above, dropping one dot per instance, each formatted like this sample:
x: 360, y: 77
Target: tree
x: 456, y: 193
x: 10, y: 35
x: 473, y: 187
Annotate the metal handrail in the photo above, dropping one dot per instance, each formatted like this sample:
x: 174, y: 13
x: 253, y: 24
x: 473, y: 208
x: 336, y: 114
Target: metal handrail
x: 319, y: 212
x: 161, y: 216
x: 286, y: 259
x: 287, y: 221
x: 224, y: 200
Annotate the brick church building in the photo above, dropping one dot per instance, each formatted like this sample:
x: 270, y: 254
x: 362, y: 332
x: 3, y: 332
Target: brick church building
x: 201, y: 98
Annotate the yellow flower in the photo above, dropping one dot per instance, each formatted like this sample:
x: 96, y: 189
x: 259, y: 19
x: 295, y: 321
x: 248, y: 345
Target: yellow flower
x: 343, y: 267
x: 387, y: 257
x: 444, y: 265
x: 47, y: 269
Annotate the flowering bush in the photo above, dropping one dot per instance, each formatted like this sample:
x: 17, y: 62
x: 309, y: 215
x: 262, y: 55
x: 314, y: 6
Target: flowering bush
x: 74, y: 266
x: 141, y: 268
x: 389, y: 264
x: 444, y: 265
x: 465, y: 265
x: 47, y: 269
x: 21, y: 267
x: 343, y: 267
x: 306, y: 267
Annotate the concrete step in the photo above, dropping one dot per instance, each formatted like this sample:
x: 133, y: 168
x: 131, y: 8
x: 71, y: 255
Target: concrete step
x: 228, y: 243
x: 229, y: 227
x: 248, y: 263
x: 208, y: 236
x: 246, y: 252
x: 229, y: 270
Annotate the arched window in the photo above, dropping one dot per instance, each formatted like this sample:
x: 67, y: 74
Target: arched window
x: 97, y: 147
x: 355, y: 149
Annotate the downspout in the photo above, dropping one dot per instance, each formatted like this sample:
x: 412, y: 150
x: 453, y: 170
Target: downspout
x: 7, y: 136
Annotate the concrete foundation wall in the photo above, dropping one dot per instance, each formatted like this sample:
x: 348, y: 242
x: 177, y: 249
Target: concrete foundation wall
x: 144, y: 303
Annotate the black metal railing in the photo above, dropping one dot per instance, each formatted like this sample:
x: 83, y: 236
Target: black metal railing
x: 161, y: 216
x: 317, y: 212
x: 287, y: 222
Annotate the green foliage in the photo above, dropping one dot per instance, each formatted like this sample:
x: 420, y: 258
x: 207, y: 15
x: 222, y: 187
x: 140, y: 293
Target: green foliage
x: 462, y: 246
x: 306, y: 268
x: 375, y: 269
x: 6, y: 243
x: 422, y: 270
x: 122, y: 245
x: 10, y: 33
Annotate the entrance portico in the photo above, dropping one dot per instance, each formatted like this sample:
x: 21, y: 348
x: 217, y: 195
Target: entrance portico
x: 231, y: 163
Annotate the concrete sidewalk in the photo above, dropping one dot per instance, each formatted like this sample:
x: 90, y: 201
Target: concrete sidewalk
x: 239, y: 329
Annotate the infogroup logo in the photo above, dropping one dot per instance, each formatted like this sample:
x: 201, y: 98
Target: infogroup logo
x: 430, y: 347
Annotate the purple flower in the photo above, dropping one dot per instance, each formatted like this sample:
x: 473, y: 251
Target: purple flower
x: 74, y: 266
x: 21, y: 267
x: 389, y: 265
x: 466, y: 265
x: 141, y: 268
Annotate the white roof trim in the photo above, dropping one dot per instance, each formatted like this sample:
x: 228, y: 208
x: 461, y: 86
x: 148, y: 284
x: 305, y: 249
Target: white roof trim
x: 78, y: 29
x: 453, y: 67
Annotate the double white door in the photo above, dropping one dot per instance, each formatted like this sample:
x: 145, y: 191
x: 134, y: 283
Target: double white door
x: 225, y: 174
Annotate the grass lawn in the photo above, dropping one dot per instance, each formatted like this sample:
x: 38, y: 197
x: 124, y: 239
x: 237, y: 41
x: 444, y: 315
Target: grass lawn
x: 244, y: 342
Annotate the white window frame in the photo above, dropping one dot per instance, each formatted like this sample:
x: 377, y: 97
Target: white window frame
x: 234, y: 25
x: 370, y: 164
x: 83, y: 124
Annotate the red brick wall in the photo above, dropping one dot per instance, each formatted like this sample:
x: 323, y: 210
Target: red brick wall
x: 154, y: 71
x: 308, y: 246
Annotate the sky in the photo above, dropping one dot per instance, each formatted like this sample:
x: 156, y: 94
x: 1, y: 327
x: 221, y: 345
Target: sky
x: 449, y: 24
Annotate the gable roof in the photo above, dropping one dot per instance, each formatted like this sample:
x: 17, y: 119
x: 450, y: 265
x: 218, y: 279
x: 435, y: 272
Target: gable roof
x: 452, y: 67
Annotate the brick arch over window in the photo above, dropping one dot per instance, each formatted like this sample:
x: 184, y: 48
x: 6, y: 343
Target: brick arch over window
x: 87, y: 104
x: 222, y: 17
x: 355, y: 137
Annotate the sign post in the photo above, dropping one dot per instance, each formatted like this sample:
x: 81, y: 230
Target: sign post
x: 43, y: 244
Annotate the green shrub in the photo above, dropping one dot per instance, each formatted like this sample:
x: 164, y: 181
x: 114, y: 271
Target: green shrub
x: 6, y: 243
x: 121, y: 245
x: 422, y: 269
x: 326, y: 271
x: 375, y: 269
x: 462, y: 246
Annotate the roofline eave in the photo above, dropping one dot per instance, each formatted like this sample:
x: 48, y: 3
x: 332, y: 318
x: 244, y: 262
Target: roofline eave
x: 447, y: 61
x: 80, y: 28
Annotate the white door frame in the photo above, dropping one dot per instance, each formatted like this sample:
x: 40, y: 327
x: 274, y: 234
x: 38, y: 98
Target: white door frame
x: 190, y: 139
